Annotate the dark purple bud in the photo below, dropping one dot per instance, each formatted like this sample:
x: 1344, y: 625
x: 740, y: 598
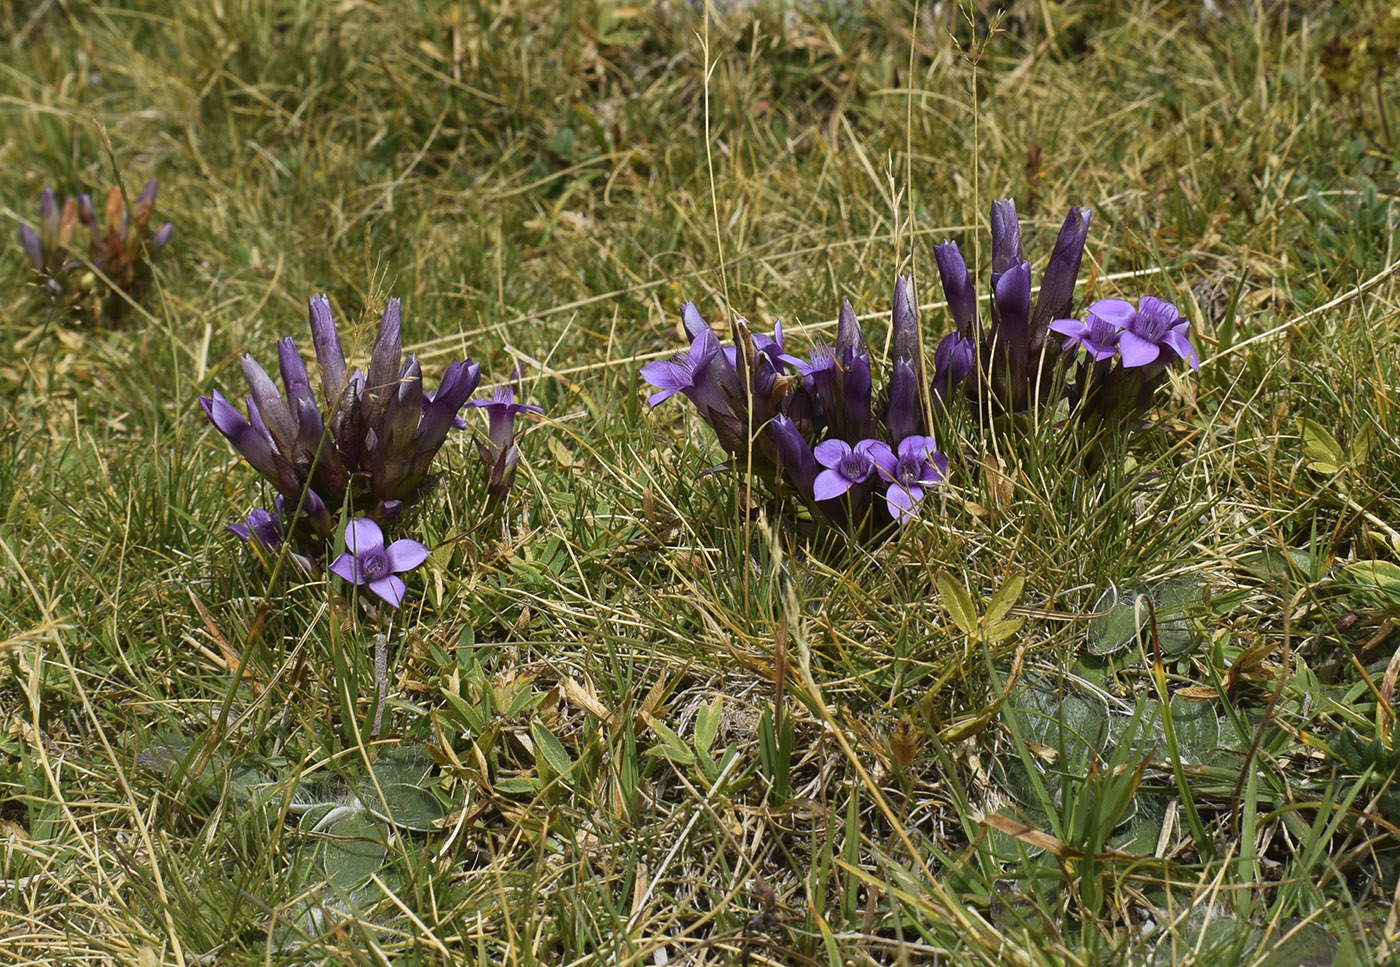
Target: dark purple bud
x: 386, y: 357
x: 905, y: 324
x: 294, y: 377
x: 1011, y: 314
x: 266, y: 401
x: 855, y: 397
x: 1056, y: 297
x: 404, y: 409
x: 458, y: 383
x: 957, y: 287
x: 48, y: 212
x: 147, y: 195
x: 952, y: 362
x: 1006, y: 237
x: 794, y: 455
x: 850, y: 340
x: 903, y: 417
x: 328, y: 353
x: 161, y: 237
x: 254, y: 447
x: 33, y: 248
x: 694, y: 323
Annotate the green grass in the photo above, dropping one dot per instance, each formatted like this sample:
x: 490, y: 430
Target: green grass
x: 663, y: 728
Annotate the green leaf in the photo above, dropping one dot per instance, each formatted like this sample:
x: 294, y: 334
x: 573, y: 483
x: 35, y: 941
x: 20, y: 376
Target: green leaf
x: 1007, y: 596
x: 405, y: 763
x: 518, y: 786
x: 671, y: 746
x: 551, y: 748
x: 1382, y: 574
x: 354, y: 850
x: 1321, y: 447
x: 958, y: 602
x: 707, y: 721
x: 1174, y: 601
x: 1197, y: 730
x: 1119, y: 624
x: 409, y: 807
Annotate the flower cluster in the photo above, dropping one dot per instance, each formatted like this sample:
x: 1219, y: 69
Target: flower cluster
x: 365, y: 442
x: 97, y: 282
x: 1017, y: 361
x: 815, y: 425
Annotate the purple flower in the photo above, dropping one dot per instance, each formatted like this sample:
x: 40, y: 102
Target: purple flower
x: 261, y: 527
x: 847, y: 466
x: 795, y: 457
x: 1156, y: 324
x: 372, y: 440
x: 367, y: 561
x: 952, y: 362
x: 903, y: 415
x: 500, y: 453
x: 33, y: 248
x: 917, y: 465
x: 1057, y: 281
x: 904, y: 324
x: 1099, y: 332
x: 268, y: 530
x: 957, y: 286
x: 702, y: 373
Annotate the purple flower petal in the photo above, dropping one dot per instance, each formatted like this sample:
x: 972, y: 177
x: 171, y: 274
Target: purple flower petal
x: 1136, y: 350
x: 405, y: 555
x: 347, y: 567
x: 901, y: 501
x: 829, y: 484
x: 1119, y: 312
x: 829, y: 453
x: 390, y: 588
x: 363, y: 535
x: 880, y: 454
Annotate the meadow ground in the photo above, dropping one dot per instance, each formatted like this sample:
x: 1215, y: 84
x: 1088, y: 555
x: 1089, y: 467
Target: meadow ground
x: 636, y: 718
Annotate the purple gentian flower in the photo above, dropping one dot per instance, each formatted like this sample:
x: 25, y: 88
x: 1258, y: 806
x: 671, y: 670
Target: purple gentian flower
x: 261, y: 527
x: 952, y: 362
x: 1156, y: 324
x: 917, y: 465
x: 847, y: 466
x: 367, y: 561
x: 957, y: 286
x: 1100, y: 330
x: 794, y: 455
x: 688, y: 373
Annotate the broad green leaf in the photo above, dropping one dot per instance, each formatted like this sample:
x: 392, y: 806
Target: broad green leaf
x: 353, y: 850
x: 405, y: 763
x: 1174, y: 601
x: 551, y: 748
x: 1003, y: 629
x: 1197, y: 729
x: 409, y: 807
x: 518, y: 786
x: 1119, y: 621
x: 1324, y: 452
x: 1007, y: 596
x: 958, y: 602
x: 1382, y: 574
x: 671, y: 746
x: 707, y: 721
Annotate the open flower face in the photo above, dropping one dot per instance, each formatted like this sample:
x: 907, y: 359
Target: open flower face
x: 916, y: 466
x: 1157, y: 325
x: 1098, y: 333
x: 368, y: 562
x: 847, y: 466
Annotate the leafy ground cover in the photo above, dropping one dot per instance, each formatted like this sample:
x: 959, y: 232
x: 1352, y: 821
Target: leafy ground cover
x: 1143, y: 716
